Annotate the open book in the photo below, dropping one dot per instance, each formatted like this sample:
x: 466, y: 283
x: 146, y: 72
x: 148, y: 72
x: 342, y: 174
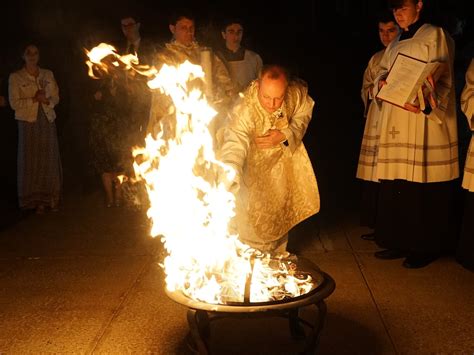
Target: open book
x: 405, y: 79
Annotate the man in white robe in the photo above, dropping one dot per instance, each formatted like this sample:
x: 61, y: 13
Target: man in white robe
x: 465, y: 250
x: 219, y: 88
x: 417, y: 158
x: 262, y: 141
x: 242, y: 63
x: 388, y: 31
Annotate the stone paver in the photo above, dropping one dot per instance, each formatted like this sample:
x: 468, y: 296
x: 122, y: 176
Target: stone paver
x: 430, y: 310
x: 88, y: 280
x: 61, y: 304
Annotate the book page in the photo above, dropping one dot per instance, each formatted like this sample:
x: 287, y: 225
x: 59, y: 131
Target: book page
x: 430, y: 68
x: 404, y: 79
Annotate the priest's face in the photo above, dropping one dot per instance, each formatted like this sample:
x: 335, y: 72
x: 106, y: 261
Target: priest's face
x: 183, y: 31
x: 233, y: 36
x: 408, y: 13
x: 388, y: 32
x: 271, y: 93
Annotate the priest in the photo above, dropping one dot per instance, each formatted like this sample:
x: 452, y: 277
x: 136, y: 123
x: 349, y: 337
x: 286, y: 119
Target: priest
x: 219, y: 88
x: 262, y: 140
x: 465, y: 250
x: 242, y: 63
x: 388, y: 31
x: 417, y: 158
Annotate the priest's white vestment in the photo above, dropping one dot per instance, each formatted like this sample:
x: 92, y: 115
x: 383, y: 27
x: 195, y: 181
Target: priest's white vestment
x: 467, y: 106
x: 278, y: 187
x: 366, y: 169
x: 244, y: 71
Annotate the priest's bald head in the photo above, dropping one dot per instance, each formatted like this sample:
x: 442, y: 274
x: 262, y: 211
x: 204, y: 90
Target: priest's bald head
x: 272, y: 84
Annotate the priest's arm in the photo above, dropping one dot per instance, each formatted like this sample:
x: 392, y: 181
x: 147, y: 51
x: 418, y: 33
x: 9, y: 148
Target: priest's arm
x: 368, y: 80
x: 467, y: 96
x: 236, y: 138
x: 442, y: 50
x: 298, y: 121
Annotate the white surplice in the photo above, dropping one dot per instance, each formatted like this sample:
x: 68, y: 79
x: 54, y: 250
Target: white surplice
x: 244, y: 71
x: 467, y: 106
x: 419, y: 147
x: 366, y: 169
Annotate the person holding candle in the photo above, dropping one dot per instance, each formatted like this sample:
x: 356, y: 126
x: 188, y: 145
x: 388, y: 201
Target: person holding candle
x: 33, y: 94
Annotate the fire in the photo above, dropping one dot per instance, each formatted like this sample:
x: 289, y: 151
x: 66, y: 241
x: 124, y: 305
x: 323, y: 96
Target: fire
x: 105, y: 55
x: 190, y: 205
x: 121, y: 179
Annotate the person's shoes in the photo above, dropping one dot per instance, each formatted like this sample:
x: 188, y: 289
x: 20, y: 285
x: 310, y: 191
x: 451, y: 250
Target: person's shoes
x: 419, y: 260
x: 390, y: 254
x: 368, y: 236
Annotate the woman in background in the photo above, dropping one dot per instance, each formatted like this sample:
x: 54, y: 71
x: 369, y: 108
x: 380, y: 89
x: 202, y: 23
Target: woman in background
x: 109, y: 130
x: 33, y: 94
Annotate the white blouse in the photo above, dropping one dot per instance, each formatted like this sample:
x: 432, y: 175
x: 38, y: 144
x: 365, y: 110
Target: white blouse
x: 22, y: 88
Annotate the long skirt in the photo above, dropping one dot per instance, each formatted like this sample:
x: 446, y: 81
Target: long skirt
x: 465, y: 250
x: 417, y: 217
x: 39, y: 164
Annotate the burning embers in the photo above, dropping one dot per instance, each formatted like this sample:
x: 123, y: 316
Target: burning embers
x: 191, y: 208
x: 276, y: 279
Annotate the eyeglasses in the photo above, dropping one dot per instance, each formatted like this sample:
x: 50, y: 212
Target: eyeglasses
x: 127, y: 25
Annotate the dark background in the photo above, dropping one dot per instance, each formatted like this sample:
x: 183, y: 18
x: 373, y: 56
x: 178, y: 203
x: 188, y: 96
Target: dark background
x: 327, y: 43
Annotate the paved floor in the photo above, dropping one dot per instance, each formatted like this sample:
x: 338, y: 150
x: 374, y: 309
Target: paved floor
x: 87, y: 280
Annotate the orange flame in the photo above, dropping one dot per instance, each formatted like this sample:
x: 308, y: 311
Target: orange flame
x: 190, y: 206
x: 104, y: 55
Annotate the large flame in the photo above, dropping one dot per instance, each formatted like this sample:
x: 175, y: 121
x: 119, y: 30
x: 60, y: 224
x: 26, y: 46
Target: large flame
x: 190, y: 206
x: 104, y: 56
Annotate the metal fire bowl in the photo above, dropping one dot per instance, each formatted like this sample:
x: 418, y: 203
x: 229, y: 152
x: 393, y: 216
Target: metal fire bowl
x: 324, y: 286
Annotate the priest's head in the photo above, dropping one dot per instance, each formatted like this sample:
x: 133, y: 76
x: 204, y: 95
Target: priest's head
x: 272, y: 84
x: 406, y: 12
x: 181, y: 26
x: 388, y: 27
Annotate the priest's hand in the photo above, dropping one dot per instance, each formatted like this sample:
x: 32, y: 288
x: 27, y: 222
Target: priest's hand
x: 270, y: 140
x: 229, y: 178
x: 412, y: 108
